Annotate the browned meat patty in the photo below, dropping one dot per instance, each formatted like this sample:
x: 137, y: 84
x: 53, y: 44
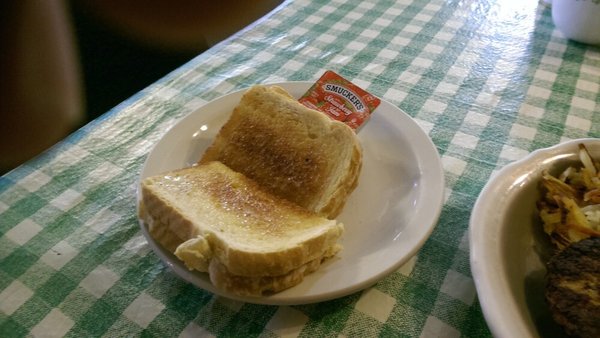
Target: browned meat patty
x: 573, y: 288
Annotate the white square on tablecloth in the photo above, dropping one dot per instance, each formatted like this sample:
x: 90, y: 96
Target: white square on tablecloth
x: 459, y: 286
x: 366, y: 5
x: 297, y: 30
x: 369, y: 33
x: 578, y: 122
x: 342, y: 26
x: 104, y: 172
x: 141, y: 147
x: 55, y: 324
x: 274, y: 78
x: 263, y: 56
x: 545, y: 75
x: 412, y: 29
x: 99, y: 280
x: 590, y: 70
x: 222, y: 87
x: 477, y: 119
x: 580, y: 102
x: 512, y: 153
x: 355, y: 45
x: 535, y: 91
x: 464, y: 140
x: 138, y: 245
x: 551, y: 60
x: 433, y: 48
x: 306, y: 51
x: 166, y: 93
x: 454, y: 23
x: 434, y: 106
x: 588, y: 86
x: 444, y: 36
x: 59, y: 255
x: 233, y: 47
x: 74, y: 155
x: 23, y: 232
x: 189, y: 106
x: 361, y: 83
x: 459, y: 71
x: 383, y: 22
x: 327, y: 38
x: 399, y: 41
x: 395, y: 95
x: 432, y: 7
x: 388, y: 54
x: 423, y: 17
x: 446, y: 88
x: 504, y: 68
x: 519, y: 130
x: 143, y: 310
x: 15, y: 295
x: 293, y: 65
x: 531, y: 111
x: 436, y: 328
x: 422, y: 62
x: 193, y: 330
x: 327, y: 9
x: 487, y: 99
x: 376, y: 304
x: 393, y: 12
x: 313, y: 19
x: 410, y: 77
x: 67, y: 199
x: 34, y: 181
x: 453, y: 165
x: 497, y: 82
x: 287, y: 322
x: 354, y: 15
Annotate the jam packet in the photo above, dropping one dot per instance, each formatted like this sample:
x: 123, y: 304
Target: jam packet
x: 340, y: 99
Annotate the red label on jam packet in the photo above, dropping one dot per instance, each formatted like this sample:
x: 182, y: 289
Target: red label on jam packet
x: 340, y: 99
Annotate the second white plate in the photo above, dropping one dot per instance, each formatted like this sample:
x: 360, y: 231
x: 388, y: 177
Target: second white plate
x: 387, y: 218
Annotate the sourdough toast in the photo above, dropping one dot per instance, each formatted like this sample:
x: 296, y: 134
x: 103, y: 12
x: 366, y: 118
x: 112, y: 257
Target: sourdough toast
x: 294, y: 152
x: 221, y: 222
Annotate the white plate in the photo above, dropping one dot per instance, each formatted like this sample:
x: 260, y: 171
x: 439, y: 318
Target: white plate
x: 387, y: 218
x: 508, y: 248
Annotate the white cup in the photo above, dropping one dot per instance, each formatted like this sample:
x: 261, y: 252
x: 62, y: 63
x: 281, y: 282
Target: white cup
x: 578, y: 20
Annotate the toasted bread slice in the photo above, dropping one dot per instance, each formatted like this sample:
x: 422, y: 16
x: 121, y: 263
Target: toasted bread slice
x: 192, y: 252
x: 292, y: 151
x: 253, y: 286
x: 211, y: 215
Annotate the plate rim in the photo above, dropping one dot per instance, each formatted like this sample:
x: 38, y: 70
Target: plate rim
x: 434, y: 172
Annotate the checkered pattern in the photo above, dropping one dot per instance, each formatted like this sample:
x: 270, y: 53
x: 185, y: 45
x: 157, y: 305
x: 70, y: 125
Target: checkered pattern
x: 489, y: 82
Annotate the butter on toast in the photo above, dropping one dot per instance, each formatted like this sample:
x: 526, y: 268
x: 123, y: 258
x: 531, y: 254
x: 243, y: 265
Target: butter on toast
x: 292, y: 151
x: 219, y: 221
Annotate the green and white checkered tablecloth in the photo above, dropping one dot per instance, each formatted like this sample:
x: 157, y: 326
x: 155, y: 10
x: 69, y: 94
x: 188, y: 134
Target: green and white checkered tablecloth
x: 489, y: 81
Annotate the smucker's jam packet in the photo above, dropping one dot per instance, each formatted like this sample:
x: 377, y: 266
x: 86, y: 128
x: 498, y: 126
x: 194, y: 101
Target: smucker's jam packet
x: 340, y: 99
